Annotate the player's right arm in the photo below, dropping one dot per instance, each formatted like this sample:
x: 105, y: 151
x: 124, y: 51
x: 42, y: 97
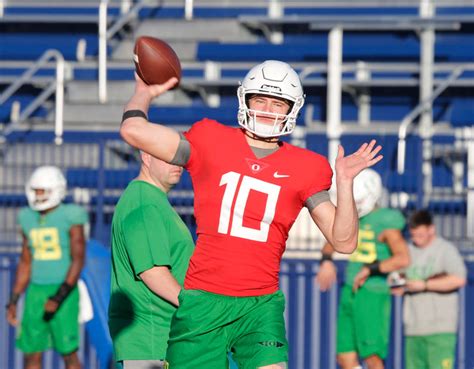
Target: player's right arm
x: 400, y: 257
x: 399, y: 249
x: 160, y: 280
x: 23, y: 272
x: 160, y: 141
x: 327, y: 274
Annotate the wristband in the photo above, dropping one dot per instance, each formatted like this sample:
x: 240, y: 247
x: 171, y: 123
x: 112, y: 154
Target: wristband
x: 134, y: 113
x: 326, y: 257
x: 426, y: 287
x: 374, y: 268
x: 62, y: 292
x: 14, y: 297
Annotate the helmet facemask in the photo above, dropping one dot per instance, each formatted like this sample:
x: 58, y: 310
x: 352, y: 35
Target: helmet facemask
x: 272, y: 79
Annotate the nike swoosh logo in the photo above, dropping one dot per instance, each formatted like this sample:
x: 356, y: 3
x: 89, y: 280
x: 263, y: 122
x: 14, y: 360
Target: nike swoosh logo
x: 276, y: 175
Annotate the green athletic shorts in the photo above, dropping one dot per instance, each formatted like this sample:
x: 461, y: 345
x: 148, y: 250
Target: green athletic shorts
x: 207, y: 326
x: 435, y: 351
x: 61, y: 333
x: 363, y: 322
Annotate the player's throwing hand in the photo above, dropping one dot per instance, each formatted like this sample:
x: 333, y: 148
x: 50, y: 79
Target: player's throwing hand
x: 153, y: 90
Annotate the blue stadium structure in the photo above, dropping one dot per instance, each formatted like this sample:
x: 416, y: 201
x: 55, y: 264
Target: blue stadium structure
x: 398, y: 71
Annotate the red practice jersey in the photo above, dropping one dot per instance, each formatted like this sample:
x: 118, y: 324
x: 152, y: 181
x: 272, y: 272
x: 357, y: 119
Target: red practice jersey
x: 245, y: 207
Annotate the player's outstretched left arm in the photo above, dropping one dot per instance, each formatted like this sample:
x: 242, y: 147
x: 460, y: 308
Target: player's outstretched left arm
x: 77, y: 244
x: 340, y: 223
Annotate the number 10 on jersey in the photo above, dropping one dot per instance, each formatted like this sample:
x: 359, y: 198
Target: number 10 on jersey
x: 240, y: 194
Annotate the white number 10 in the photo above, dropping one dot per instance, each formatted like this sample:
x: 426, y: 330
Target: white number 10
x: 231, y: 181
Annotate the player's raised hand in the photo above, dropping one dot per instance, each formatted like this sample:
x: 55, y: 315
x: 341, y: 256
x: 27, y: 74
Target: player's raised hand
x: 153, y: 90
x: 347, y: 167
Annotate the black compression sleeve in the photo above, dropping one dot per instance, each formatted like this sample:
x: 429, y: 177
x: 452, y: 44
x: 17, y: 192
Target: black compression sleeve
x: 63, y: 291
x: 14, y: 297
x: 134, y: 113
x: 374, y: 268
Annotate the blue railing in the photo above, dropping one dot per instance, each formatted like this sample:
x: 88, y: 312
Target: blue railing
x: 98, y: 169
x: 310, y: 318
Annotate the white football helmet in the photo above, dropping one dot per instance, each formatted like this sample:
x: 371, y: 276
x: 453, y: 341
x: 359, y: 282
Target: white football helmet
x: 276, y: 79
x: 368, y: 190
x: 51, y: 180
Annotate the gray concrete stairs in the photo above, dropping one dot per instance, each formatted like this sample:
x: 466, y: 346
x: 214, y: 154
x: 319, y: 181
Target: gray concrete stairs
x: 184, y: 35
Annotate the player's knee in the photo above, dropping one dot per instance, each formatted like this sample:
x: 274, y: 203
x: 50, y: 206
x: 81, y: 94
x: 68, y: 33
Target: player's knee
x: 348, y: 360
x: 33, y: 361
x: 72, y: 360
x: 281, y: 365
x: 374, y: 362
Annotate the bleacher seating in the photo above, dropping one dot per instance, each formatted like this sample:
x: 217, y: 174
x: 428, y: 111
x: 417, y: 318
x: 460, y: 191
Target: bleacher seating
x: 357, y: 46
x: 380, y: 62
x: 30, y: 47
x: 393, y: 92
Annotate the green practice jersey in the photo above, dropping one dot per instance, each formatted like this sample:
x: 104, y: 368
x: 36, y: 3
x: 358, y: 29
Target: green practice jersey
x: 146, y: 232
x: 48, y: 240
x: 369, y: 248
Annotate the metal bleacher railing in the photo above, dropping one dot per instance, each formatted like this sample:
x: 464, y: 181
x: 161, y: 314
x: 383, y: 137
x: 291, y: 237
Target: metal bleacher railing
x: 355, y: 77
x: 56, y: 87
x: 427, y: 152
x: 128, y: 12
x: 310, y: 317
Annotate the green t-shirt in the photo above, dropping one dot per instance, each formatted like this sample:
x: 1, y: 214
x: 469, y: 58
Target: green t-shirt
x: 146, y: 232
x: 48, y: 240
x: 369, y: 248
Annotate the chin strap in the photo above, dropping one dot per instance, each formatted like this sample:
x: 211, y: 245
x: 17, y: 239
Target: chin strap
x: 258, y: 138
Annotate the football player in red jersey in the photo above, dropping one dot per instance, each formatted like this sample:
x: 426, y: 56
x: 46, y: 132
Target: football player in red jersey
x: 248, y: 190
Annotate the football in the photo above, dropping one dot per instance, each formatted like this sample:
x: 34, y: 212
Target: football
x: 155, y: 60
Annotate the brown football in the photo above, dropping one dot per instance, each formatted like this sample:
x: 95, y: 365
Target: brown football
x: 155, y: 60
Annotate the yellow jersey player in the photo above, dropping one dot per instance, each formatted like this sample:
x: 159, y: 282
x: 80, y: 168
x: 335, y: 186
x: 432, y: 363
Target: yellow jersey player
x: 51, y: 260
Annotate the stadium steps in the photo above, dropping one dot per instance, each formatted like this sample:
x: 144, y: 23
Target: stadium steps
x: 186, y: 50
x: 30, y: 155
x: 185, y: 41
x: 118, y: 92
x: 108, y: 116
x: 386, y: 106
x: 219, y: 29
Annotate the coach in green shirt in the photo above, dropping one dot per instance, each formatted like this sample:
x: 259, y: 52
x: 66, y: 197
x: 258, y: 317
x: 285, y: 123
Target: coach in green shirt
x: 151, y: 247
